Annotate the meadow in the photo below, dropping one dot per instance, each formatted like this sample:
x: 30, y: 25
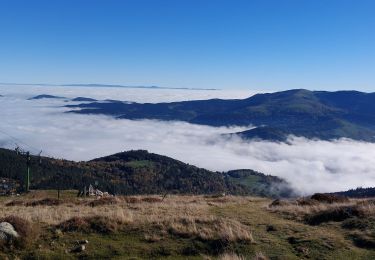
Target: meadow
x: 187, y: 227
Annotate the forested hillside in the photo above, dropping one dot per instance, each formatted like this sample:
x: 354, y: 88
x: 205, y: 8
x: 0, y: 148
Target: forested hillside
x: 138, y: 172
x: 358, y: 193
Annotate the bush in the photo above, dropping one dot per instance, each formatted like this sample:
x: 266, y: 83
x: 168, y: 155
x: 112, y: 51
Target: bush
x: 329, y: 198
x: 359, y: 223
x: 334, y: 214
x: 44, y: 202
x: 103, y: 201
x: 131, y: 200
x: 74, y: 224
x: 307, y: 202
x: 97, y: 224
x: 14, y: 203
x: 279, y: 203
x: 364, y: 240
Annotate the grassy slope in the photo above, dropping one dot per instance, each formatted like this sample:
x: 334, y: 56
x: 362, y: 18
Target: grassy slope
x: 289, y: 240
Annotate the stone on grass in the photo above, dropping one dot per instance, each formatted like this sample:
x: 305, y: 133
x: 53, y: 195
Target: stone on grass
x: 7, y: 231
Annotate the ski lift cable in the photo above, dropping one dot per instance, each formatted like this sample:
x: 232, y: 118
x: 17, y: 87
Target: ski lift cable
x: 37, y: 151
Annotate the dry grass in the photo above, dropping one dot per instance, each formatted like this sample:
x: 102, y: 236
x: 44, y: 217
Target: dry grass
x: 316, y: 213
x: 234, y: 256
x: 104, y: 201
x: 260, y: 256
x: 210, y: 229
x: 44, y: 202
x: 97, y: 224
x: 187, y: 216
x: 231, y: 256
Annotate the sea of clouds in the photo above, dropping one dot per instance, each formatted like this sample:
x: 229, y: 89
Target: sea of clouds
x: 309, y: 165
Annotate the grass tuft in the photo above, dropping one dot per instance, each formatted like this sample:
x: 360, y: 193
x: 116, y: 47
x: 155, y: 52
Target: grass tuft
x: 27, y: 231
x: 96, y: 224
x: 103, y: 201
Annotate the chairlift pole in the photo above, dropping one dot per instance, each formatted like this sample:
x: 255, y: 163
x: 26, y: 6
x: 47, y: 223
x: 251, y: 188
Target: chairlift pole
x: 28, y: 162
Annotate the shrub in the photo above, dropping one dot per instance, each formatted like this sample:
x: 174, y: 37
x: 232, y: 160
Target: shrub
x: 307, y: 202
x: 97, y: 224
x: 334, y: 214
x: 44, y: 202
x: 103, y: 201
x: 359, y: 223
x: 74, y: 224
x: 364, y: 240
x: 14, y: 203
x: 329, y: 198
x: 131, y: 200
x: 279, y: 203
x: 103, y: 225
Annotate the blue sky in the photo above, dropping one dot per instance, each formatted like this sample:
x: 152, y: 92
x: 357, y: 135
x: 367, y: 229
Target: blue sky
x: 265, y: 44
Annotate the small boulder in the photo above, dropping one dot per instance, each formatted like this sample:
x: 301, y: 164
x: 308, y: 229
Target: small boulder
x: 79, y: 249
x: 270, y: 228
x: 58, y: 233
x: 7, y: 231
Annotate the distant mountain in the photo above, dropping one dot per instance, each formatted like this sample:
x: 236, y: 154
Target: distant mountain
x: 311, y: 114
x: 83, y: 99
x: 77, y: 99
x: 44, y: 96
x: 105, y: 86
x: 264, y: 133
x: 139, y: 172
x: 124, y: 86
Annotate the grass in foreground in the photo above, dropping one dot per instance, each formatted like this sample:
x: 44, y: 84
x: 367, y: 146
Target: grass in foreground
x: 185, y: 227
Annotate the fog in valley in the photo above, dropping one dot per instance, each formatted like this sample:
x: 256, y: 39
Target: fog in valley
x: 308, y: 165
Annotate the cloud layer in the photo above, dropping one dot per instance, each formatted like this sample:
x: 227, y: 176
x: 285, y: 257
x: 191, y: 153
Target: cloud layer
x: 309, y: 165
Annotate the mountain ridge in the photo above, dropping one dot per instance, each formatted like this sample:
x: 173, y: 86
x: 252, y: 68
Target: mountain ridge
x: 311, y: 114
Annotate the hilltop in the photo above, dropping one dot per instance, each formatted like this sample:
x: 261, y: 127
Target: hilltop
x: 312, y: 114
x: 139, y: 172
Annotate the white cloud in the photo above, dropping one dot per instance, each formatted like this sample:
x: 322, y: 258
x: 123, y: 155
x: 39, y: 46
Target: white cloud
x: 309, y: 165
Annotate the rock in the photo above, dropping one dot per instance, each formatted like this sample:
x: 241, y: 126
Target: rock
x: 79, y: 249
x: 7, y: 231
x: 303, y: 250
x: 82, y: 242
x: 270, y: 228
x: 58, y: 233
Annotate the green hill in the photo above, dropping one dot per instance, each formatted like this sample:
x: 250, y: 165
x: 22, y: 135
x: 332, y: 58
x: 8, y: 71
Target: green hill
x: 137, y: 172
